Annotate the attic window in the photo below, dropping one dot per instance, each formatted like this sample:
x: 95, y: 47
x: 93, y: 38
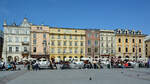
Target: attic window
x: 132, y: 32
x: 119, y: 31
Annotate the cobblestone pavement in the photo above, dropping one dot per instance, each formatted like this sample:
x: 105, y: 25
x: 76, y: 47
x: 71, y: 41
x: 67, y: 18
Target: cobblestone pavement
x: 103, y: 76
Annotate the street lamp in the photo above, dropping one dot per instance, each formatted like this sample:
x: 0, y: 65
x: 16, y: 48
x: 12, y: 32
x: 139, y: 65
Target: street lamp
x: 136, y: 53
x: 45, y: 48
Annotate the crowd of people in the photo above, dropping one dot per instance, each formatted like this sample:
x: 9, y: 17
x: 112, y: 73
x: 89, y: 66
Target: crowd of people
x: 98, y: 64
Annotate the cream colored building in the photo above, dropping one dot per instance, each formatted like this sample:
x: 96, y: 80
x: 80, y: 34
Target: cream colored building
x: 16, y: 44
x: 39, y: 41
x: 130, y: 44
x: 107, y: 43
x: 67, y: 43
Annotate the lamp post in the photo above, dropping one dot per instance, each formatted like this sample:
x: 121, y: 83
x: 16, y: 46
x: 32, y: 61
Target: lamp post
x: 136, y: 53
x: 45, y: 48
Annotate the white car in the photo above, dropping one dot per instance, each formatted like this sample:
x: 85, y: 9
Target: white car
x: 43, y: 63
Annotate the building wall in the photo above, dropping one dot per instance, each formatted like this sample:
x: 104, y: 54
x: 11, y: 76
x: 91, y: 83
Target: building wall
x: 107, y: 43
x: 16, y: 41
x: 147, y: 48
x: 37, y: 34
x: 92, y: 43
x: 61, y: 40
x: 1, y: 43
x: 134, y: 48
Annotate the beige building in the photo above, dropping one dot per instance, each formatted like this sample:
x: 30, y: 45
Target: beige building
x: 67, y: 43
x: 147, y: 48
x: 39, y: 41
x: 130, y: 44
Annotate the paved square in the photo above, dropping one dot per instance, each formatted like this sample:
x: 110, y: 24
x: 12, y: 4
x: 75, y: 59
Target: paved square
x: 103, y: 76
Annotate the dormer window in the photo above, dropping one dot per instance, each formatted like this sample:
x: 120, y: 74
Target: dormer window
x: 119, y: 31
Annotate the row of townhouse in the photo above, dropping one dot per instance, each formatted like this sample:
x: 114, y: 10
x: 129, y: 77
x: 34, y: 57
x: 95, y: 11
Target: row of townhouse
x: 27, y: 41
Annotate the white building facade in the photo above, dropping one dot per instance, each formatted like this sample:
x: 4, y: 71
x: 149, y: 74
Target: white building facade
x: 16, y: 41
x: 107, y: 43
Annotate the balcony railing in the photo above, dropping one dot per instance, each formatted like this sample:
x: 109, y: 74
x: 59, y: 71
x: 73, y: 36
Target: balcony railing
x: 25, y: 43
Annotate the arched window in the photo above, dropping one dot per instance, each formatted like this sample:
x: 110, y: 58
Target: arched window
x: 126, y: 40
x: 119, y: 40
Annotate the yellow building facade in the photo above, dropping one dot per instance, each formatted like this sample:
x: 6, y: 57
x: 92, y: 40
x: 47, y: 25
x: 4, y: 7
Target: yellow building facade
x: 66, y: 43
x: 130, y: 44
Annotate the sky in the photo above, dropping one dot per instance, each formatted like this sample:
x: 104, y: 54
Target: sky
x: 93, y: 14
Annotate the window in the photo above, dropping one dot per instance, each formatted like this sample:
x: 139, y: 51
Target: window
x: 146, y: 45
x: 81, y: 50
x: 119, y: 40
x: 126, y: 40
x: 59, y: 43
x: 101, y: 38
x: 89, y: 50
x: 112, y: 51
x: 59, y: 51
x: 65, y: 43
x: 34, y: 41
x: 17, y: 39
x: 89, y: 35
x: 17, y: 49
x: 75, y: 37
x: 44, y: 42
x: 64, y: 36
x: 139, y: 49
x: 58, y: 36
x: 25, y: 49
x: 53, y: 43
x: 70, y: 50
x: 111, y: 44
x: 126, y: 49
x: 96, y: 42
x: 119, y: 49
x: 17, y: 31
x: 75, y: 30
x: 102, y: 44
x: 96, y: 50
x: 10, y: 39
x: 52, y: 36
x: 44, y: 35
x: 76, y: 50
x: 133, y: 50
x: 133, y: 40
x: 81, y: 43
x: 70, y: 36
x: 64, y: 50
x: 10, y: 49
x: 25, y: 39
x: 107, y: 51
x: 96, y: 35
x: 81, y: 37
x: 89, y: 42
x: 34, y: 49
x: 58, y: 30
x: 139, y: 40
x: 76, y: 43
x: 111, y: 38
x: 70, y: 43
x: 106, y: 38
x: 34, y: 35
x: 52, y: 50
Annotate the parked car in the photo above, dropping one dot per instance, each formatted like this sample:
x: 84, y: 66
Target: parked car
x: 43, y: 63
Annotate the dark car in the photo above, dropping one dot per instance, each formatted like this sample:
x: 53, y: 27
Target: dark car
x: 66, y: 65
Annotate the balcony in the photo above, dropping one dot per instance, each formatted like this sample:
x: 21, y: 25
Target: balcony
x: 25, y: 43
x: 25, y: 52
